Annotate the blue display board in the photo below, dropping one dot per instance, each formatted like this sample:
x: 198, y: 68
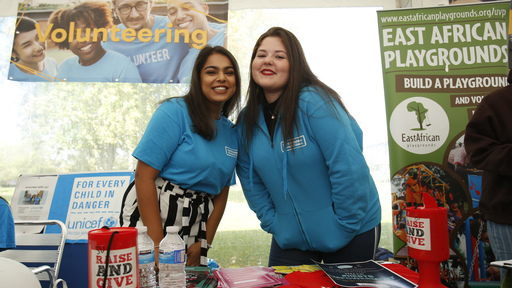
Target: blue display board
x: 88, y: 201
x: 83, y: 201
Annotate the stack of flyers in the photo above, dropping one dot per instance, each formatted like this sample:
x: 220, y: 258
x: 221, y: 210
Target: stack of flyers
x: 367, y: 274
x: 248, y: 277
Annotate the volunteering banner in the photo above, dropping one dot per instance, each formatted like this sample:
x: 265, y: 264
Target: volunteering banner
x: 114, y: 41
x: 438, y: 63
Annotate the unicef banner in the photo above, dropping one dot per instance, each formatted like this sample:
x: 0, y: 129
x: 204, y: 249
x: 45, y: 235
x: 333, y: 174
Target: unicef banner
x: 131, y: 41
x: 84, y: 201
x: 438, y: 63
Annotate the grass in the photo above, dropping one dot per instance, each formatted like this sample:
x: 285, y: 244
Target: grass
x: 233, y: 249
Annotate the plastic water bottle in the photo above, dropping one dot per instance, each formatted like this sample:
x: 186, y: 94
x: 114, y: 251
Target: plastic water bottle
x: 147, y: 273
x: 172, y: 260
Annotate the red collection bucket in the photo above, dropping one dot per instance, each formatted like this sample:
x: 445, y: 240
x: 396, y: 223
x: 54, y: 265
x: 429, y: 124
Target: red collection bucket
x: 113, y: 258
x: 427, y: 240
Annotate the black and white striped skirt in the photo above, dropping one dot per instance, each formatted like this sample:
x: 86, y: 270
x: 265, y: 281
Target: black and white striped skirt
x: 180, y: 207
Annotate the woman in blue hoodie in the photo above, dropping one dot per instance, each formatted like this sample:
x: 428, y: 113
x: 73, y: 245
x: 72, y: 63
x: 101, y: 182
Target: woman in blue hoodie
x: 300, y: 161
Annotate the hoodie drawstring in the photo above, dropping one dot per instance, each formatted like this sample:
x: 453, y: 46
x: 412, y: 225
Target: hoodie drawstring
x: 251, y: 168
x: 285, y: 173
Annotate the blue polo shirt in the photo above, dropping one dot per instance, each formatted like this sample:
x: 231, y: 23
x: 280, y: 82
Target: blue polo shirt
x: 182, y: 156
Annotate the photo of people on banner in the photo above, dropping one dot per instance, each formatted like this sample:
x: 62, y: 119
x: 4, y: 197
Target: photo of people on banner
x: 127, y: 41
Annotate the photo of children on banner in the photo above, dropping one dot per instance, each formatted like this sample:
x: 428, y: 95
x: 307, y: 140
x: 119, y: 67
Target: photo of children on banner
x: 28, y: 58
x: 34, y: 198
x: 458, y: 161
x: 450, y: 192
x: 158, y: 60
x: 410, y: 183
x: 161, y: 45
x: 92, y: 62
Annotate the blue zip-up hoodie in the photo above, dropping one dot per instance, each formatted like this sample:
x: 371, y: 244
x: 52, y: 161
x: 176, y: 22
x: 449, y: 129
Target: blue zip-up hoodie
x: 318, y: 196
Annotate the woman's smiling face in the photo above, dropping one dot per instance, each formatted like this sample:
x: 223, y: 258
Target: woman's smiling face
x: 28, y: 49
x: 271, y: 68
x: 218, y: 81
x: 88, y: 52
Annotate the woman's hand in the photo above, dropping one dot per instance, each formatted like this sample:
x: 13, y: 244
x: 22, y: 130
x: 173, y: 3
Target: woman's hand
x: 194, y: 254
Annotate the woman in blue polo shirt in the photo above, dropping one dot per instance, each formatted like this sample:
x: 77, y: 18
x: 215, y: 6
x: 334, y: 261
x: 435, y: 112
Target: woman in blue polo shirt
x: 188, y: 154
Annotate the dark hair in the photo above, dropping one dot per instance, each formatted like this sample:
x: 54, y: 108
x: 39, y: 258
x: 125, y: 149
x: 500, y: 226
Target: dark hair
x: 300, y: 76
x: 93, y: 13
x: 196, y: 102
x: 23, y: 24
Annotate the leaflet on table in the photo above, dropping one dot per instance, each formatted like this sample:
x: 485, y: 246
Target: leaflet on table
x: 291, y: 269
x: 367, y: 273
x: 248, y: 277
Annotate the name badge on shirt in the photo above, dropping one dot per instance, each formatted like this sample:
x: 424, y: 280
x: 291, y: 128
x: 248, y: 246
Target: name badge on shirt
x: 295, y: 143
x: 231, y: 152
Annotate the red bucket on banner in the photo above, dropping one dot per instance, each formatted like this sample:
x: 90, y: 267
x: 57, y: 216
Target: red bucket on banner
x: 427, y: 240
x: 113, y: 258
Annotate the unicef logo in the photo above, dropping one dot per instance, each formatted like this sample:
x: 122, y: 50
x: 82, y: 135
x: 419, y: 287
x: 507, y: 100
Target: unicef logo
x: 111, y: 222
x: 419, y: 125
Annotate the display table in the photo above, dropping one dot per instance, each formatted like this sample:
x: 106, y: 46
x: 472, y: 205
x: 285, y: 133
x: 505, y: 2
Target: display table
x: 306, y: 276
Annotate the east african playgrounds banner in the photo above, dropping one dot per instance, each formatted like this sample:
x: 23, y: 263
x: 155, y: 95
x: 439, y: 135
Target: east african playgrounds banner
x: 438, y: 63
x: 146, y: 41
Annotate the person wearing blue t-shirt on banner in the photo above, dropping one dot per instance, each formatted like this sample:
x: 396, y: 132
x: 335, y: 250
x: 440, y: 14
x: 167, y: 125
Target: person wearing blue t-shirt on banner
x: 157, y: 59
x: 301, y: 162
x: 186, y: 158
x: 192, y: 15
x: 28, y: 58
x: 92, y: 62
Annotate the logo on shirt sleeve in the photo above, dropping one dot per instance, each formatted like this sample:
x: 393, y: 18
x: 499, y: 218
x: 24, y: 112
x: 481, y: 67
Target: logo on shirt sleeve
x: 231, y: 152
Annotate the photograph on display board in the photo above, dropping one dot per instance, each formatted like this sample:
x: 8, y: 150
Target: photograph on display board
x: 35, y: 197
x: 125, y: 41
x: 444, y: 185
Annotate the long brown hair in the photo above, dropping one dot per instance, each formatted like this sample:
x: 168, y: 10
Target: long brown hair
x: 300, y: 76
x: 197, y: 105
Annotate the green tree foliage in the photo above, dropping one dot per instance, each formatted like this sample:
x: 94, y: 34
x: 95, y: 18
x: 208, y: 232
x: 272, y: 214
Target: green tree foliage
x: 71, y: 127
x: 89, y: 126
